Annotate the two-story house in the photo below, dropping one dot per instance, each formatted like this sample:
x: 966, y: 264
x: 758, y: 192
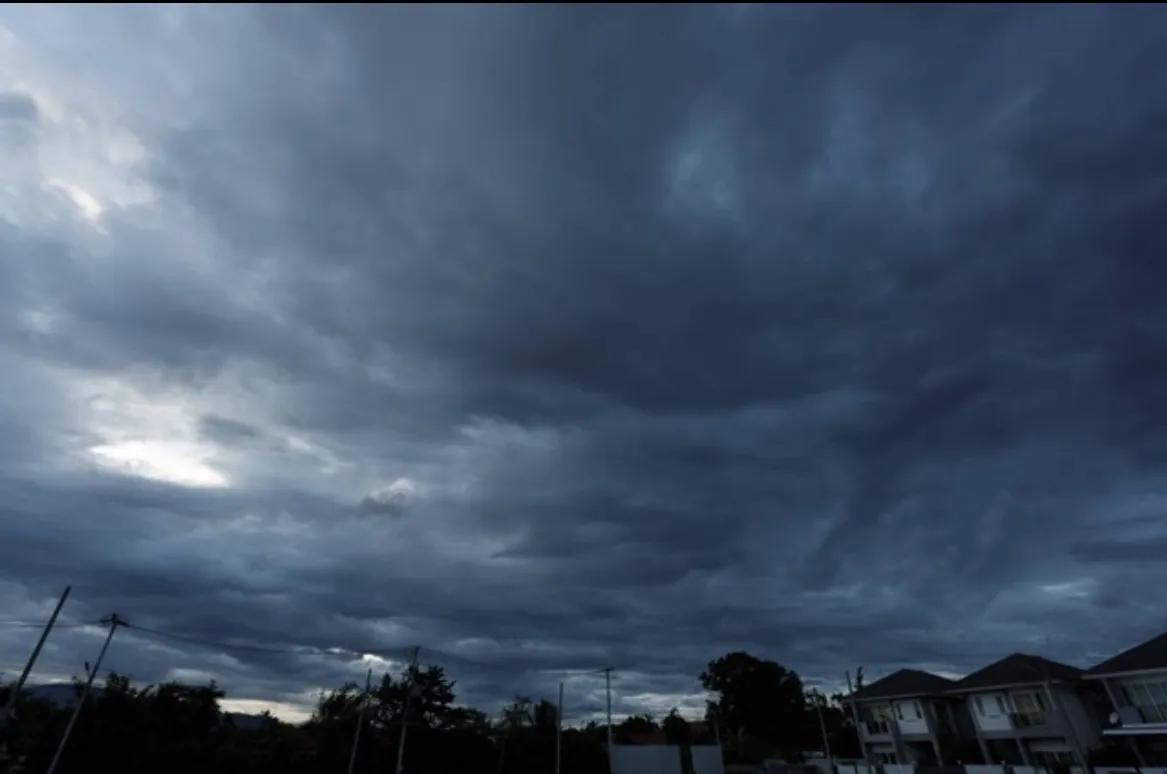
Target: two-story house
x: 906, y: 717
x: 1028, y: 710
x: 1136, y: 684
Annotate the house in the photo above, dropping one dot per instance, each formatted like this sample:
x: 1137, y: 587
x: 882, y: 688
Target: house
x: 1028, y: 710
x: 906, y: 717
x: 1136, y: 685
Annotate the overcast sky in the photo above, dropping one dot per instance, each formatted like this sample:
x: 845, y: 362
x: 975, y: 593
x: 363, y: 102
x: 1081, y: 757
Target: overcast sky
x: 556, y: 338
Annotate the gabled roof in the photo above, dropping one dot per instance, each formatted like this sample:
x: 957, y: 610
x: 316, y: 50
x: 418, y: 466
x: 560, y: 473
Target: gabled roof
x: 905, y: 682
x: 1018, y: 669
x: 1151, y: 654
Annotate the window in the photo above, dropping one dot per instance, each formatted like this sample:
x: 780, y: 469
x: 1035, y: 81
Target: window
x: 905, y: 710
x: 1029, y: 701
x: 1150, y: 696
x: 1030, y: 707
x: 991, y: 705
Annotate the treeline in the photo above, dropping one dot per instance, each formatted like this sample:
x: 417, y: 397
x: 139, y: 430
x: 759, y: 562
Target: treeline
x: 759, y: 709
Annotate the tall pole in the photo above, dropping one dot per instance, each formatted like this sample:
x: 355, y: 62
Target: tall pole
x: 818, y: 705
x: 855, y: 718
x: 559, y: 729
x: 11, y: 704
x: 352, y: 758
x: 114, y: 623
x: 405, y: 712
x: 608, y: 693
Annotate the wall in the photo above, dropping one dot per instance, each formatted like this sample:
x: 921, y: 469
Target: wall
x: 707, y: 759
x: 854, y: 768
x: 1083, y: 720
x: 646, y: 759
x: 984, y: 769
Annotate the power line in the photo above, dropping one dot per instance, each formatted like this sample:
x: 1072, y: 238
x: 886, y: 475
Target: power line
x: 399, y: 653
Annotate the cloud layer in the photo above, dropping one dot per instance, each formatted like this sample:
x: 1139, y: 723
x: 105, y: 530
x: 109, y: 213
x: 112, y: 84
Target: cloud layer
x: 555, y: 339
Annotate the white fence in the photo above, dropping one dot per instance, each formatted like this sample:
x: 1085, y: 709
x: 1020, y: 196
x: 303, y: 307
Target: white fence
x: 854, y: 768
x: 984, y: 770
x: 646, y: 759
x: 707, y: 759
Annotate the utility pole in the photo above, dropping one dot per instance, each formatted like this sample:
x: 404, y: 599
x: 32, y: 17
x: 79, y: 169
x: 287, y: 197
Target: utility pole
x: 855, y: 718
x: 15, y: 691
x: 404, y: 712
x: 608, y: 693
x: 114, y: 623
x: 818, y: 705
x: 352, y: 758
x: 559, y: 729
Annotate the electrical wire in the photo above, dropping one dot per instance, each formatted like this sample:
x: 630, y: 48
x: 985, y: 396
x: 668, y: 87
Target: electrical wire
x: 399, y: 653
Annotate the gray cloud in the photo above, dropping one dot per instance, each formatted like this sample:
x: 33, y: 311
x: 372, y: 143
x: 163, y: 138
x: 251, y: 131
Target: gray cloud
x: 653, y: 333
x: 15, y: 106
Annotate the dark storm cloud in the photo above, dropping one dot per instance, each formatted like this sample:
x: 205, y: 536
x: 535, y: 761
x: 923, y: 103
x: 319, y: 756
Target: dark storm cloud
x: 553, y: 338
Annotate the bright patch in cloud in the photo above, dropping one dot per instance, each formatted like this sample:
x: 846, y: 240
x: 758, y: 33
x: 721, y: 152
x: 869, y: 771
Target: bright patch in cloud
x: 1072, y: 589
x: 84, y: 201
x: 159, y: 461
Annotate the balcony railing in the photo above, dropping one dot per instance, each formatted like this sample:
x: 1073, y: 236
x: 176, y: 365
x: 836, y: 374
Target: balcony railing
x: 1131, y: 715
x: 878, y: 728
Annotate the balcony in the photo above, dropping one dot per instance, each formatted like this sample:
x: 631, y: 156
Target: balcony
x: 878, y: 727
x: 1131, y: 715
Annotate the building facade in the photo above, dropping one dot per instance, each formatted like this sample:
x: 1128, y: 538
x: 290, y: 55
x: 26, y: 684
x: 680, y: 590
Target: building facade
x: 1030, y: 711
x: 1135, y: 682
x: 907, y: 717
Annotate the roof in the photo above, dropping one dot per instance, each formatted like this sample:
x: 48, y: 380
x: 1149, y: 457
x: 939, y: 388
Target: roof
x: 1151, y: 654
x: 1018, y: 669
x: 905, y: 682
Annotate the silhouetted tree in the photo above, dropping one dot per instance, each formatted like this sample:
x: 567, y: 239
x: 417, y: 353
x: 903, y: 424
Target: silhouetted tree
x: 758, y: 701
x: 676, y: 728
